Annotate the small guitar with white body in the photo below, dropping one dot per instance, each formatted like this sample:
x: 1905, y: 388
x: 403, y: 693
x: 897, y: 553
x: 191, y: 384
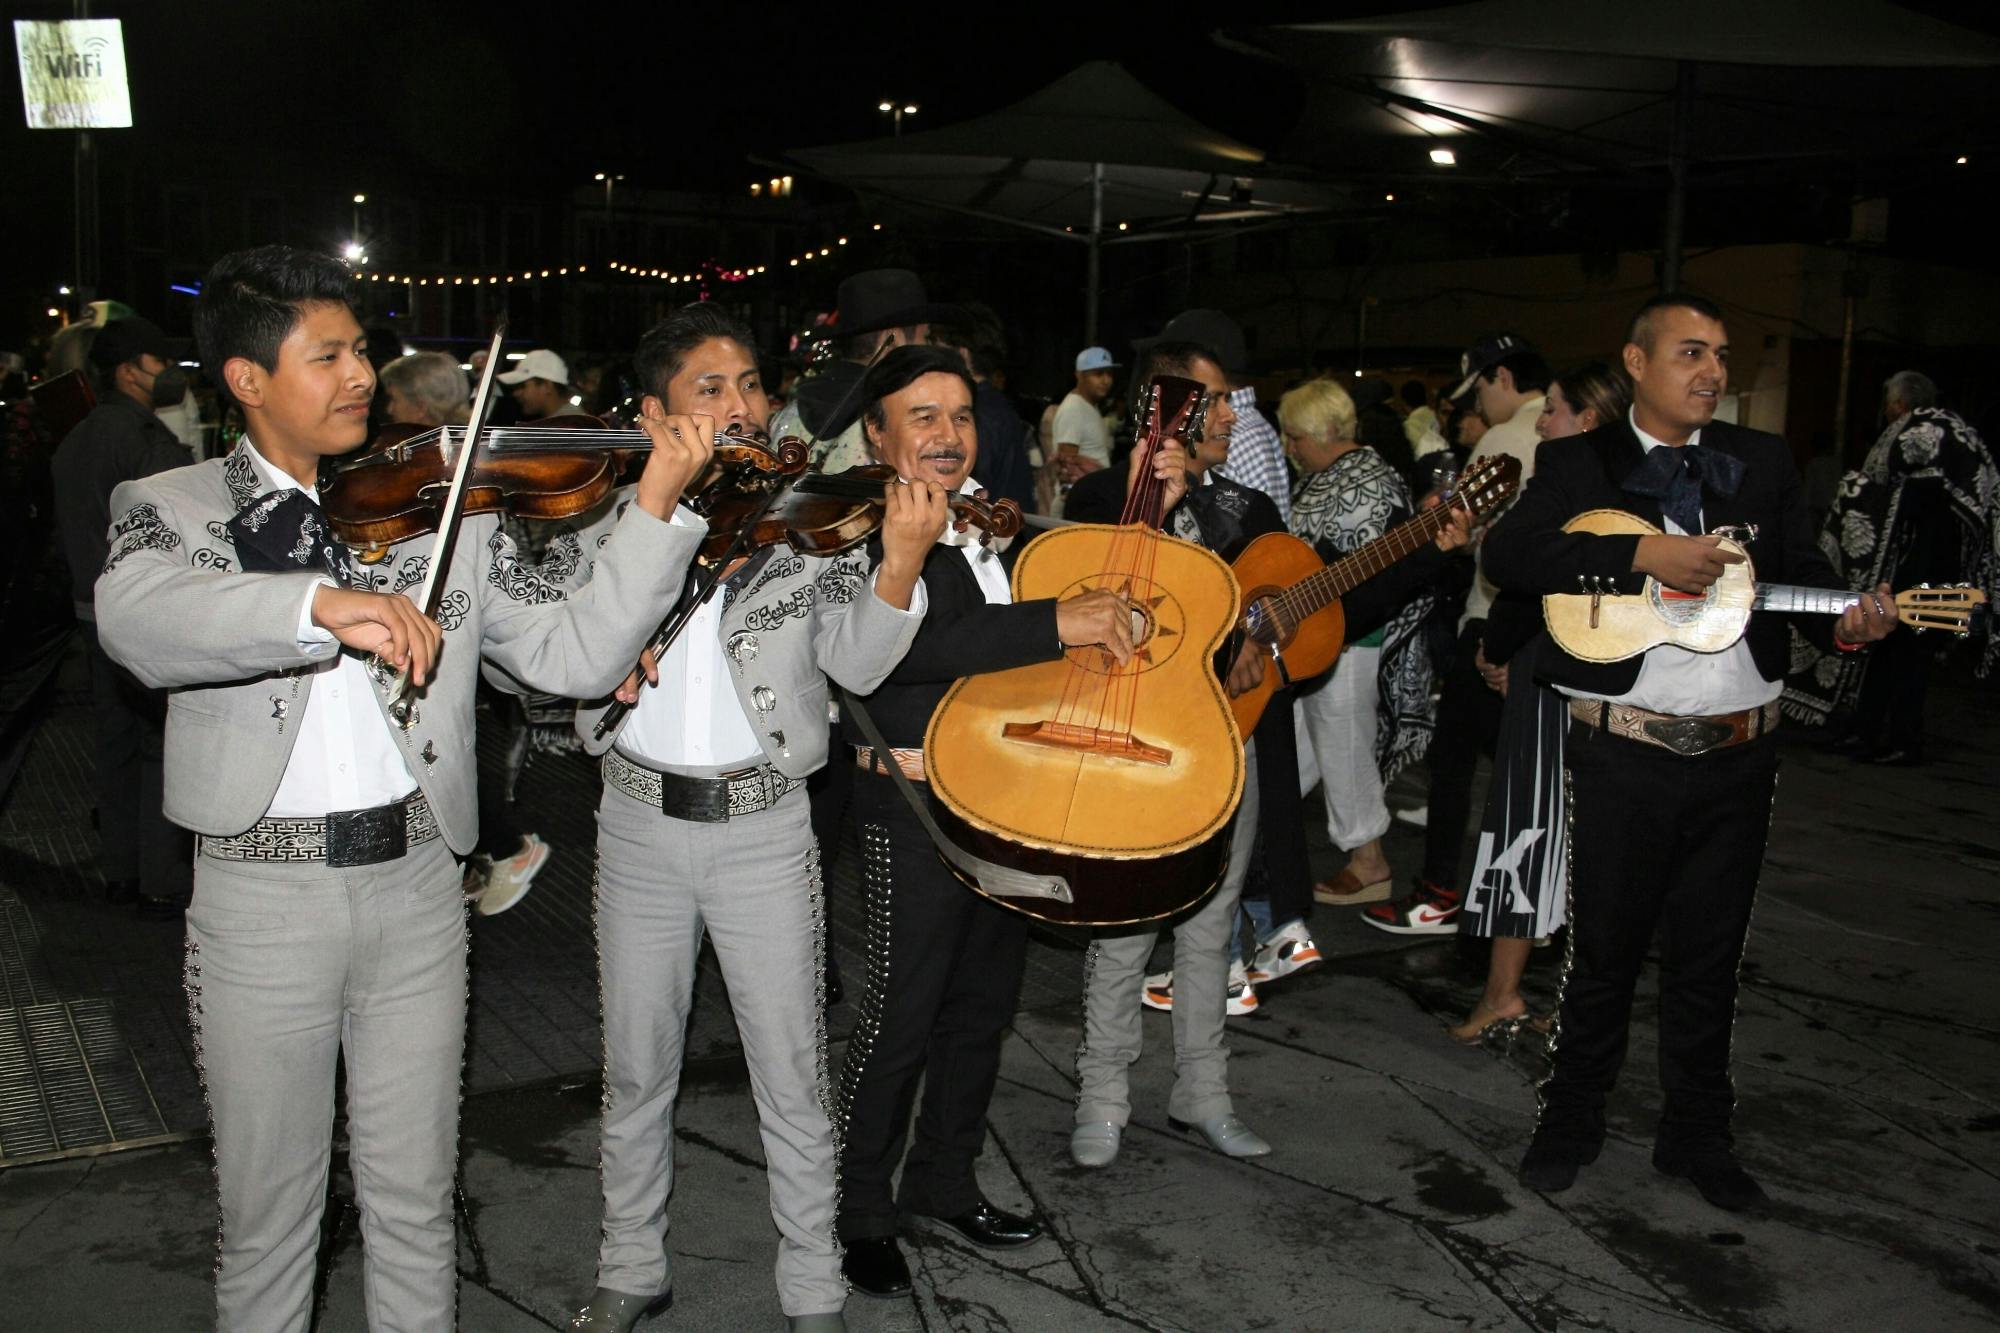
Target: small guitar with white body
x: 1597, y: 625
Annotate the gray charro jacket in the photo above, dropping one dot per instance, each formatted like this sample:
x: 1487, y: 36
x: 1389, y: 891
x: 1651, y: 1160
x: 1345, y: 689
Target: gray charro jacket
x: 789, y: 621
x: 174, y: 606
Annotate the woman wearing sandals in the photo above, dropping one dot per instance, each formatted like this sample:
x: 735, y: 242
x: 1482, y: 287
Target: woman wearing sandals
x: 1519, y: 891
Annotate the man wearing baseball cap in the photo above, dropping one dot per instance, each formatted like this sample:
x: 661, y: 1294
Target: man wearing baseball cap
x: 1082, y: 441
x: 540, y: 384
x: 144, y: 858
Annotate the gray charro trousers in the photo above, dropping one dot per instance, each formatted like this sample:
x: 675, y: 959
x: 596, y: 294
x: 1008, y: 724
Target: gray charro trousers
x: 753, y: 884
x: 1115, y: 974
x: 288, y: 966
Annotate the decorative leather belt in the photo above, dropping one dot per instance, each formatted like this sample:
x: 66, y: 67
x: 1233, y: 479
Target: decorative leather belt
x: 1683, y: 735
x: 342, y: 838
x: 715, y: 800
x: 911, y: 761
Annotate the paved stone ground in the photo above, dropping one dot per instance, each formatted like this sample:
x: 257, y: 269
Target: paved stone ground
x: 1869, y: 1100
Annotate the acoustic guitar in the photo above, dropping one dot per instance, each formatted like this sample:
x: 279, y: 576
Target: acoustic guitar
x: 1291, y: 598
x: 1594, y: 625
x: 1117, y: 779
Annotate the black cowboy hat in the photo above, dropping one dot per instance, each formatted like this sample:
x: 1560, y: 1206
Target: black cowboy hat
x: 887, y: 298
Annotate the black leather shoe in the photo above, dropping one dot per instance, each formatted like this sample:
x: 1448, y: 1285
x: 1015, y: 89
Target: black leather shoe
x: 1553, y: 1159
x: 874, y: 1267
x: 1900, y: 757
x: 1718, y: 1175
x: 990, y: 1228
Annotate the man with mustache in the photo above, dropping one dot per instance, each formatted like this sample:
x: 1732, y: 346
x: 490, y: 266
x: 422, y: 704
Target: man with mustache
x: 1670, y: 754
x: 945, y: 965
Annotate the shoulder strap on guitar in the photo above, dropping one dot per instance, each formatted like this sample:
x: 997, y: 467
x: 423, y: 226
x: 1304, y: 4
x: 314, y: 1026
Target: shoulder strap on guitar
x: 996, y: 880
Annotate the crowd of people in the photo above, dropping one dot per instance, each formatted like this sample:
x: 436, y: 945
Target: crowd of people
x: 255, y: 773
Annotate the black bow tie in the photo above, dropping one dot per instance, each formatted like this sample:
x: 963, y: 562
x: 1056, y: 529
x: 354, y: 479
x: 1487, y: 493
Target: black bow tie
x: 1676, y: 477
x: 287, y: 530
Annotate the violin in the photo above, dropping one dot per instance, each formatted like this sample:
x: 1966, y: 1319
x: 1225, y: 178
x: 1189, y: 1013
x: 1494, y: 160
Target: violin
x: 825, y: 513
x: 398, y: 488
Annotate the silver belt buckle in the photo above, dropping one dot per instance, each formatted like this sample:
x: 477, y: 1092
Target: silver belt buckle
x: 1688, y: 736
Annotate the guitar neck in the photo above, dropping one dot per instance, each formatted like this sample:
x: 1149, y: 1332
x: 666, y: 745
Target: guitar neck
x: 1365, y: 562
x: 1806, y: 601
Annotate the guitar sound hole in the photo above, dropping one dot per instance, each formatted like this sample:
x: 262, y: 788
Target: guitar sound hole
x: 1680, y: 608
x: 1264, y: 622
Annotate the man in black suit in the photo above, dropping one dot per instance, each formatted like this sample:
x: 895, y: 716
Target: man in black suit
x: 1671, y: 760
x: 944, y: 966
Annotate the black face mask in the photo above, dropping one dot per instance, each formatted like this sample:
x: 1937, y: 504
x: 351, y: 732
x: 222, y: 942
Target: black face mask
x: 169, y: 387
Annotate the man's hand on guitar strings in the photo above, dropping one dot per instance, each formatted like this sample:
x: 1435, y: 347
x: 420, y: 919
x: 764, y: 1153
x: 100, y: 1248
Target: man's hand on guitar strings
x: 1685, y: 564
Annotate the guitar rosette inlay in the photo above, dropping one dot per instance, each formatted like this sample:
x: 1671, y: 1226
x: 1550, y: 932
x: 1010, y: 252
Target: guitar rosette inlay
x: 1158, y: 624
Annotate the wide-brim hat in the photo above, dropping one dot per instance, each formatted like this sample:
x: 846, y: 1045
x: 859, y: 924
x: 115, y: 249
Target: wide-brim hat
x: 887, y: 298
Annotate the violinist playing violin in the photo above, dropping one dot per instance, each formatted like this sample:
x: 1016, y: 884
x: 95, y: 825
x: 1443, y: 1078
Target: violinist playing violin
x: 704, y: 825
x: 327, y: 918
x: 946, y: 973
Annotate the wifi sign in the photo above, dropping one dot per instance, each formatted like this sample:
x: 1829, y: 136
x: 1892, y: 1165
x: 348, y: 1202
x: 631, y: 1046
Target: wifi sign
x: 73, y: 74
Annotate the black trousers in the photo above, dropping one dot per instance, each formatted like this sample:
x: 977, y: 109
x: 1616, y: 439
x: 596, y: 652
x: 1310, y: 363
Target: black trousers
x: 944, y: 975
x: 1468, y: 723
x: 136, y: 840
x: 1279, y: 868
x: 1890, y: 707
x: 1657, y: 839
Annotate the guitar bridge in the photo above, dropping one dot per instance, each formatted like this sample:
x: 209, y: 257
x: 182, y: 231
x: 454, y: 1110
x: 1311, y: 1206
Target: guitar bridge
x: 1087, y: 740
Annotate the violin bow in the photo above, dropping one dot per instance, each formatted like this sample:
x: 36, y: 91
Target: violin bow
x: 431, y: 593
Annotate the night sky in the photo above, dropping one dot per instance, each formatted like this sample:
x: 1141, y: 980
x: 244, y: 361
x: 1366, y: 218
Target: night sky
x: 541, y: 97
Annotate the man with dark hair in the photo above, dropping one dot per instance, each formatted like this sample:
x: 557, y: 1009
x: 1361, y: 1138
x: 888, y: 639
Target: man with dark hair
x: 1670, y: 757
x: 874, y: 311
x: 704, y: 828
x: 141, y: 854
x: 945, y: 967
x: 1003, y: 436
x: 1506, y: 381
x: 327, y: 920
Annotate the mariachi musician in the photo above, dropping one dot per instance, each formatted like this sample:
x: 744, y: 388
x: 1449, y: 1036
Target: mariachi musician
x: 944, y: 968
x: 704, y: 827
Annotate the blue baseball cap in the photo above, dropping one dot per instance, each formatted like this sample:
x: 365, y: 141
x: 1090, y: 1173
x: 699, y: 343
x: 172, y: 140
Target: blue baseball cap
x: 1095, y: 358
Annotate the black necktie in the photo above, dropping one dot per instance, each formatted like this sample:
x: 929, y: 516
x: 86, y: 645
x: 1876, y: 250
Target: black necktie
x: 1676, y: 477
x: 287, y: 530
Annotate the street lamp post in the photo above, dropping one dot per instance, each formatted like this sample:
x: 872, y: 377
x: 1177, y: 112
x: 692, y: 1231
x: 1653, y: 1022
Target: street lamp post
x: 896, y: 111
x: 609, y: 179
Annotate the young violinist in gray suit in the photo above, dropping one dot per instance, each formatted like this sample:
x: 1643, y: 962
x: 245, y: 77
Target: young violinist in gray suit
x: 704, y: 827
x: 327, y: 917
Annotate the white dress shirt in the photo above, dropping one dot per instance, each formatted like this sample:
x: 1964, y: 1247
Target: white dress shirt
x: 1690, y: 684
x: 984, y: 559
x: 345, y: 757
x: 693, y: 717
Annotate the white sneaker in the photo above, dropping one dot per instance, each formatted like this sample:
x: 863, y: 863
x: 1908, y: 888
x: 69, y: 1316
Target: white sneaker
x: 1289, y: 950
x: 507, y: 883
x: 1159, y: 992
x: 1242, y: 995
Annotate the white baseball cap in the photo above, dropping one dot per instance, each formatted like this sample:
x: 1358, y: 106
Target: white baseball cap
x: 540, y: 364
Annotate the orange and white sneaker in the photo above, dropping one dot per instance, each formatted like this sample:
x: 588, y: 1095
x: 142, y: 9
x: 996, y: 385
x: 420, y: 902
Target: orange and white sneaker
x: 508, y: 881
x: 1159, y: 992
x: 1290, y: 949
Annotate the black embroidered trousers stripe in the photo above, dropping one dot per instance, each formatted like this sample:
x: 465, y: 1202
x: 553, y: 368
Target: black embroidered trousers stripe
x: 944, y: 975
x: 1657, y: 839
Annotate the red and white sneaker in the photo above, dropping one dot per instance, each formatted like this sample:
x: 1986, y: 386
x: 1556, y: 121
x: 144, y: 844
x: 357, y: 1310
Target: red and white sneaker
x: 1425, y: 910
x: 1289, y: 950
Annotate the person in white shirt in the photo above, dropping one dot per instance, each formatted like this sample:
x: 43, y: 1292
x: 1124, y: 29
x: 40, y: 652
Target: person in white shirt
x: 704, y: 828
x: 1082, y: 442
x: 327, y: 924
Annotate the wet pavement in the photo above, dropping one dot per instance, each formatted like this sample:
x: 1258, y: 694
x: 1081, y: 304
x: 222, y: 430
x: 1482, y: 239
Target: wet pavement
x: 1868, y: 1084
